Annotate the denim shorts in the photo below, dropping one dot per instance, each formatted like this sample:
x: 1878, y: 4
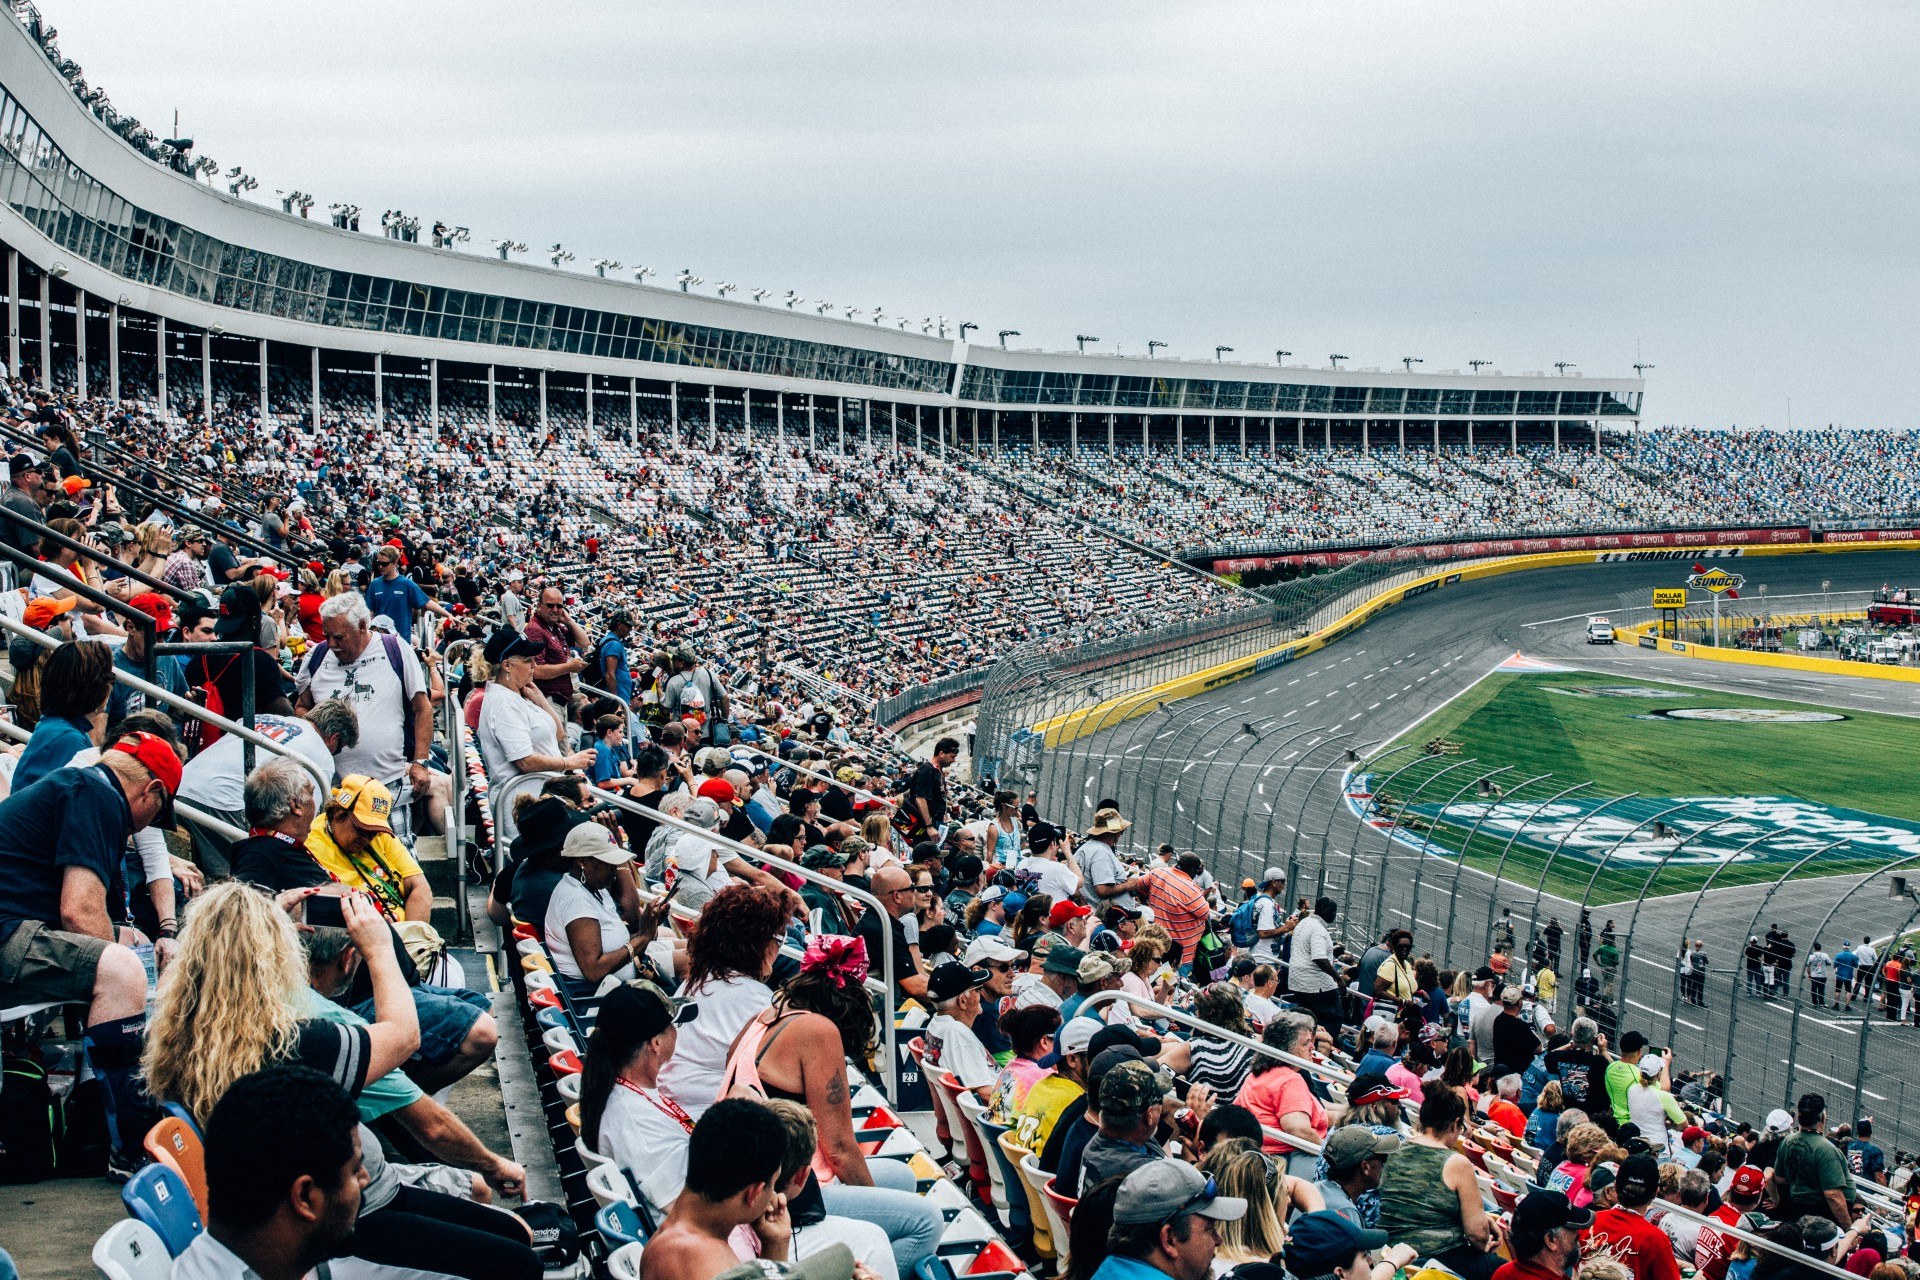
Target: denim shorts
x: 446, y: 1014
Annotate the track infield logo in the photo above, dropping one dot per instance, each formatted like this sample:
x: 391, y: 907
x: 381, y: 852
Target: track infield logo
x: 1615, y: 691
x: 1710, y: 830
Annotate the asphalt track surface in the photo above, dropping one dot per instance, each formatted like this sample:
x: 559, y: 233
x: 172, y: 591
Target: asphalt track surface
x: 1192, y: 775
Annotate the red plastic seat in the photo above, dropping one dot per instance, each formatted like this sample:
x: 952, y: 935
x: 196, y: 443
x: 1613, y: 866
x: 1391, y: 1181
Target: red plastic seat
x: 918, y: 1048
x: 1062, y: 1205
x: 544, y: 998
x: 995, y: 1257
x: 976, y: 1152
x: 565, y: 1063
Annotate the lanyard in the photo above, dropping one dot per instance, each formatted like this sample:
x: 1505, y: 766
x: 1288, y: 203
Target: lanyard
x: 665, y: 1105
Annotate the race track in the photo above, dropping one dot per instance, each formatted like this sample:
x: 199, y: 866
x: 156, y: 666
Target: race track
x: 1194, y: 775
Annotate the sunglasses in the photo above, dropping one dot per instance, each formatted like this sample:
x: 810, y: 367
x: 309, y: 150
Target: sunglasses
x: 1200, y: 1197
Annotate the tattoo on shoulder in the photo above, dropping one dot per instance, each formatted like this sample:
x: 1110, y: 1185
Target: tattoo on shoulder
x: 837, y: 1089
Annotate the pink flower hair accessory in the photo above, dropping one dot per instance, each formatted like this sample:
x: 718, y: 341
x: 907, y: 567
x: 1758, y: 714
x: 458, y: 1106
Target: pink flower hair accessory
x: 844, y: 958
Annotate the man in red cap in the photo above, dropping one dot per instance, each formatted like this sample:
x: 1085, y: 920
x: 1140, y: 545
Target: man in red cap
x: 61, y: 842
x: 1714, y: 1249
x: 131, y: 658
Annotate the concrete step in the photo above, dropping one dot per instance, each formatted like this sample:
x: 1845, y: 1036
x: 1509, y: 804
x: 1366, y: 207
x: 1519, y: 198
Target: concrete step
x: 441, y: 868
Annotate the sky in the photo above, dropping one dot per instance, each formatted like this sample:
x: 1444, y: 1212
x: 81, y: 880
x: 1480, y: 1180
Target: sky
x: 1723, y: 189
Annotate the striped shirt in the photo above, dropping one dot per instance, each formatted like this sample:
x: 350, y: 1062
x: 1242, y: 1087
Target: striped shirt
x: 1180, y: 906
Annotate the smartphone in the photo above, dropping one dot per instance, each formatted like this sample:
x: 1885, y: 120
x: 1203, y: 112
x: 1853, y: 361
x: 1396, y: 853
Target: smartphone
x: 323, y: 911
x: 671, y: 878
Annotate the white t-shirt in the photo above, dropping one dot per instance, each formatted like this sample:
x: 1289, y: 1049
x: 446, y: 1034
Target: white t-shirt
x: 692, y: 1076
x: 642, y: 1136
x: 1057, y: 880
x: 952, y: 1046
x: 511, y: 728
x: 1311, y: 942
x: 216, y: 778
x: 1029, y: 991
x: 379, y: 699
x: 1261, y: 1009
x: 1266, y: 916
x: 572, y: 901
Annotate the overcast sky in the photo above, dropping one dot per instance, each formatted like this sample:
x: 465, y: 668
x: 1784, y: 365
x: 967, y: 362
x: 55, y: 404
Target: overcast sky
x: 1726, y: 190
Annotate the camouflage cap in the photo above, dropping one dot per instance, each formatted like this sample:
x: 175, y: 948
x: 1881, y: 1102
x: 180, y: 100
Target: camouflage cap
x: 1130, y: 1088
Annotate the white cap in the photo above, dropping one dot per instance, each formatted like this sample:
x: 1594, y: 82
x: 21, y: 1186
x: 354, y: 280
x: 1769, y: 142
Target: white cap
x: 1077, y: 1036
x: 990, y: 947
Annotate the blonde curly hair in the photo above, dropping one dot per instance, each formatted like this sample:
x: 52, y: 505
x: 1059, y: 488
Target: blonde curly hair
x: 228, y: 1005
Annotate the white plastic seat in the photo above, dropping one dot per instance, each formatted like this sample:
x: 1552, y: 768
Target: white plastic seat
x: 624, y: 1263
x: 569, y: 1086
x: 559, y: 1038
x: 975, y: 1113
x: 131, y: 1250
x: 608, y: 1185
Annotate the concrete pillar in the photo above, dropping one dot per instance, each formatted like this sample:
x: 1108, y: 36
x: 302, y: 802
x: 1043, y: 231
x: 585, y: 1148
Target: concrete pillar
x: 316, y: 391
x: 13, y: 312
x: 113, y: 351
x: 840, y: 417
x: 264, y: 405
x: 46, y: 332
x: 633, y: 411
x: 493, y: 399
x: 1556, y: 437
x: 810, y: 434
x: 80, y: 341
x: 746, y: 412
x: 379, y: 390
x: 919, y: 439
x: 996, y: 434
x: 713, y: 417
x: 543, y: 401
x: 206, y: 374
x: 673, y: 413
x: 780, y: 421
x: 589, y: 406
x: 160, y: 367
x: 1073, y: 436
x: 1513, y: 437
x: 433, y: 402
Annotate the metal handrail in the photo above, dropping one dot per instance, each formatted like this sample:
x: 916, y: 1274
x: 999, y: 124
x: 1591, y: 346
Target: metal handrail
x: 191, y: 708
x: 815, y: 773
x: 1756, y: 1242
x: 181, y: 808
x: 867, y: 900
x: 47, y: 532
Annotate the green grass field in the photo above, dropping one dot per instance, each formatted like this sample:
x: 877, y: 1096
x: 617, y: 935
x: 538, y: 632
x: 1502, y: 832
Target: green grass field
x: 1624, y: 738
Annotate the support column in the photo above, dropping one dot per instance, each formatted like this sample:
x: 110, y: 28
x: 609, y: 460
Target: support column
x: 810, y: 433
x: 206, y: 374
x: 1556, y: 437
x: 780, y: 421
x: 1327, y: 425
x: 492, y: 399
x: 543, y: 402
x: 1073, y: 437
x: 996, y: 435
x: 1366, y: 443
x: 1436, y: 437
x: 974, y: 415
x: 1146, y: 434
x: 673, y: 413
x: 1110, y: 445
x: 713, y: 417
x: 46, y: 332
x: 316, y: 390
x: 1273, y: 426
x: 80, y: 341
x: 1213, y: 438
x: 866, y: 423
x: 379, y: 390
x: 940, y: 421
x: 633, y: 412
x: 746, y: 413
x: 1243, y: 435
x: 589, y: 406
x: 840, y: 411
x: 1300, y: 434
x: 893, y: 426
x: 1179, y: 435
x: 1469, y: 435
x: 1596, y: 438
x: 13, y: 312
x: 1403, y: 435
x: 919, y: 439
x: 433, y: 401
x: 113, y: 351
x: 1036, y: 434
x: 264, y: 405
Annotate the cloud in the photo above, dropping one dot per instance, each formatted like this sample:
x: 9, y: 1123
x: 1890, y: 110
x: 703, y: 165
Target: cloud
x: 1722, y: 188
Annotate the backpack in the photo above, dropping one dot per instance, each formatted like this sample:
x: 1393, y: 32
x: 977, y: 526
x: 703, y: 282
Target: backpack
x: 27, y: 1122
x: 391, y: 643
x: 1245, y: 924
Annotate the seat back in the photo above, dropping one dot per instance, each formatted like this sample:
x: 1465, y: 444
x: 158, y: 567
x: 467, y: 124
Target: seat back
x: 1062, y: 1205
x: 608, y: 1185
x: 161, y: 1198
x: 618, y: 1224
x: 1008, y: 1202
x: 918, y: 1048
x: 176, y: 1144
x: 1038, y: 1179
x: 624, y: 1263
x: 977, y: 1163
x: 1036, y: 1203
x: 131, y: 1250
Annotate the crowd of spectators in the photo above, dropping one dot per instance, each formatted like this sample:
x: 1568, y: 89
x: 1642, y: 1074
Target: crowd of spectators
x: 550, y: 595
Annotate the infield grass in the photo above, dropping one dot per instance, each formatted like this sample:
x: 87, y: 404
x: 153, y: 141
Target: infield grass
x: 1535, y: 723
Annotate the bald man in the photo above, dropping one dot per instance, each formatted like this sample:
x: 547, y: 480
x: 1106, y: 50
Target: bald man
x: 894, y: 887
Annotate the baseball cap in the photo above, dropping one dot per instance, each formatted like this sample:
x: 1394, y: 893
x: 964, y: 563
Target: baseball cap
x: 1484, y: 974
x: 239, y: 613
x: 820, y: 855
x: 990, y: 947
x: 1042, y: 835
x: 1064, y: 959
x: 155, y: 606
x: 1077, y: 1036
x: 647, y: 1008
x: 158, y: 755
x: 1544, y: 1210
x: 1650, y: 1066
x: 1319, y: 1242
x: 41, y: 612
x: 1014, y: 901
x: 1372, y: 1086
x: 1348, y: 1145
x: 1160, y: 1189
x: 1639, y: 1176
x: 74, y: 484
x: 1100, y: 966
x: 1748, y: 1181
x: 1778, y: 1120
x: 1120, y: 1036
x: 508, y: 643
x: 992, y: 893
x: 1272, y: 874
x: 951, y: 980
x: 835, y: 1262
x: 21, y: 463
x: 1064, y: 910
x: 1510, y: 994
x: 1602, y: 1176
x: 369, y: 802
x: 1130, y: 1087
x: 591, y: 840
x: 718, y: 790
x: 1691, y: 1133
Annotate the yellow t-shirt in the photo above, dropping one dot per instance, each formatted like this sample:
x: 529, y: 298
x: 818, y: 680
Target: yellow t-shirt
x: 1546, y: 984
x: 380, y: 871
x: 1040, y: 1109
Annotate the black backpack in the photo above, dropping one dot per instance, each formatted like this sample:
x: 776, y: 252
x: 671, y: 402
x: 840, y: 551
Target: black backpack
x: 28, y: 1123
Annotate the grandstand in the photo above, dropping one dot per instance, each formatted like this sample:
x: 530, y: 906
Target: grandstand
x: 781, y: 541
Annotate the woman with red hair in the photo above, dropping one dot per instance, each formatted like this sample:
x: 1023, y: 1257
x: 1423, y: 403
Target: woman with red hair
x: 730, y: 952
